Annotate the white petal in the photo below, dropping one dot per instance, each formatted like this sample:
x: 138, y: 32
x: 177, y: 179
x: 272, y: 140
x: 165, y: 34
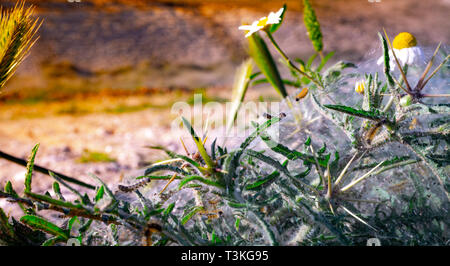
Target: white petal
x: 275, y: 18
x: 250, y: 28
x: 279, y: 12
x: 410, y: 58
x: 417, y: 54
x: 380, y: 60
x: 246, y: 27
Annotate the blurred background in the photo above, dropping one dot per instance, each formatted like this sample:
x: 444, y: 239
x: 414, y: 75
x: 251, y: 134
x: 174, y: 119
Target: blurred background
x: 98, y: 85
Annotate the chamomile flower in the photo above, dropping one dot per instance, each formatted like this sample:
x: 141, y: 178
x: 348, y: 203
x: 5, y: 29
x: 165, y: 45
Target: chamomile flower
x: 273, y: 18
x: 359, y: 86
x: 406, y: 50
x: 251, y: 28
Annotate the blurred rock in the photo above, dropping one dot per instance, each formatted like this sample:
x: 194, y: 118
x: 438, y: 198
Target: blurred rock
x: 96, y: 44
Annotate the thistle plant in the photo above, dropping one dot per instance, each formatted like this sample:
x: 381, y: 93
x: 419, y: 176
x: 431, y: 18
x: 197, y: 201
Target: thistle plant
x: 356, y: 169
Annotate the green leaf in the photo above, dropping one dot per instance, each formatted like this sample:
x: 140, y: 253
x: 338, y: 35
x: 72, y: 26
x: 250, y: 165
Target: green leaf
x: 10, y: 190
x: 324, y: 61
x: 100, y: 193
x: 311, y: 60
x: 387, y: 68
x: 323, y: 149
x: 43, y: 225
x: 308, y: 141
x: 260, y: 53
x: 265, y: 181
x: 198, y: 142
x: 201, y: 179
x: 285, y: 81
x: 188, y: 216
x: 372, y: 115
x: 258, y: 131
x: 274, y: 27
x: 30, y: 165
x: 161, y: 167
x: 52, y: 241
x: 55, y: 202
x: 237, y: 223
x: 71, y: 222
x: 292, y: 154
x: 57, y: 190
x: 59, y: 179
x: 312, y: 26
x: 105, y: 187
x: 5, y: 226
x: 171, y: 154
x: 169, y: 209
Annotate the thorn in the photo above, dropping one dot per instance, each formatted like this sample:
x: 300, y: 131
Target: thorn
x: 168, y: 183
x: 184, y: 146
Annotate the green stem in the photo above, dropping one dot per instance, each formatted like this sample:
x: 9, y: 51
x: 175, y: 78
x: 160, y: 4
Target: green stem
x: 44, y: 170
x: 272, y: 40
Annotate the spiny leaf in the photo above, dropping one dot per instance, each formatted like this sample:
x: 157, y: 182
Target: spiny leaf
x: 201, y: 179
x: 169, y: 209
x: 292, y: 154
x: 188, y: 216
x: 171, y: 154
x: 372, y: 115
x: 201, y: 149
x: 52, y: 241
x: 30, y: 164
x: 57, y: 190
x: 265, y: 181
x: 100, y: 193
x: 9, y: 189
x: 5, y: 226
x: 52, y: 201
x: 258, y: 131
x: 171, y: 168
x: 105, y: 187
x: 43, y: 225
x: 387, y: 68
x: 57, y: 178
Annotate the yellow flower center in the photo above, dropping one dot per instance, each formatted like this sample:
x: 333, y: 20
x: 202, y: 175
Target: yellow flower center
x: 262, y: 22
x: 404, y: 40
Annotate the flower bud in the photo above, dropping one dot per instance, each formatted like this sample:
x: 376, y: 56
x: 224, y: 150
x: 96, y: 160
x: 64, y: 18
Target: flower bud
x: 406, y: 100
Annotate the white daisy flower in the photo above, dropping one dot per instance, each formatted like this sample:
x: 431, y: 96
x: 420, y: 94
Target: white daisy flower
x: 251, y: 28
x: 273, y: 18
x: 406, y: 50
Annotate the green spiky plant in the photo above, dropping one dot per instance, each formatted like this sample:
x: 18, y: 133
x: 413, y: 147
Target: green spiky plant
x: 333, y: 182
